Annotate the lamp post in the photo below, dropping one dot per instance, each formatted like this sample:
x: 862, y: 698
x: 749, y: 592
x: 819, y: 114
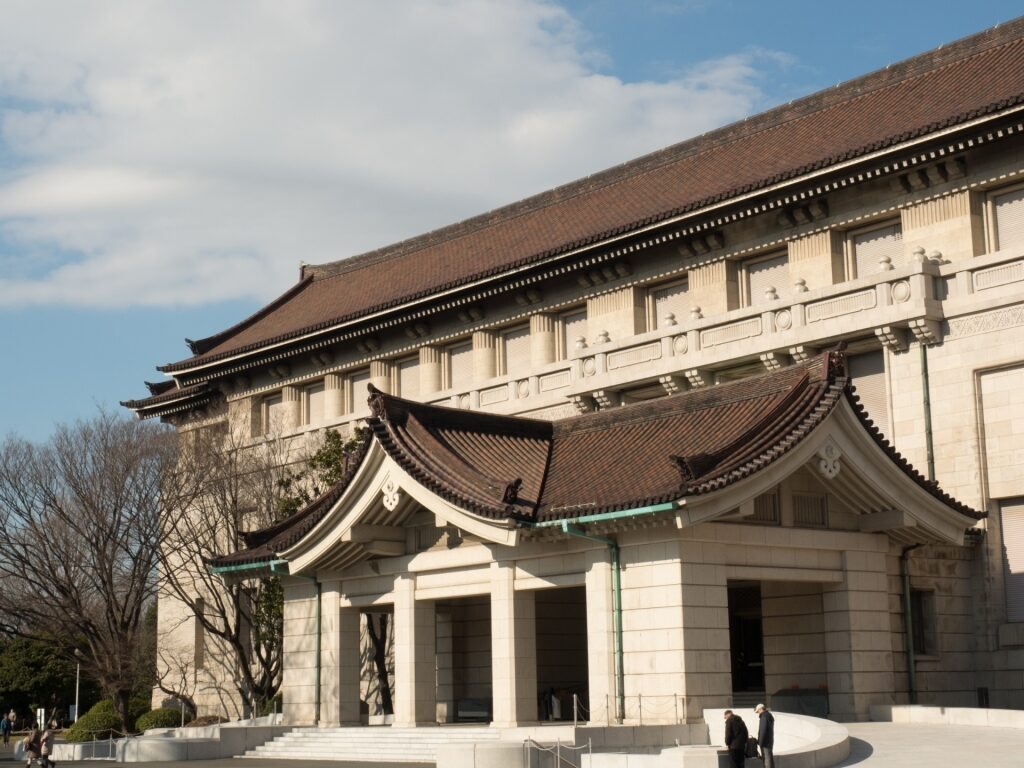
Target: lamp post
x: 78, y: 677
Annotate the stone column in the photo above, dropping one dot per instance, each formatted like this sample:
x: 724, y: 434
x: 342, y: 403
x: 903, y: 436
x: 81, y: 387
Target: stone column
x: 334, y: 397
x: 430, y: 371
x: 485, y: 356
x: 619, y: 314
x: 817, y: 259
x: 714, y: 287
x: 380, y: 375
x: 445, y: 669
x: 298, y: 680
x: 542, y: 340
x: 600, y: 636
x: 415, y: 695
x: 858, y: 637
x: 704, y: 630
x: 513, y: 650
x: 291, y: 409
x: 340, y: 659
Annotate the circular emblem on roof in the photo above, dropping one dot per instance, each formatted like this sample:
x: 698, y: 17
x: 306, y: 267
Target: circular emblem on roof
x: 680, y: 344
x: 900, y: 291
x: 589, y: 367
x: 783, y: 319
x: 392, y: 494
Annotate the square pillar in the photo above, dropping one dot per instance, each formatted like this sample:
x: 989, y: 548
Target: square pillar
x: 513, y: 650
x: 415, y: 695
x: 340, y: 673
x: 858, y: 638
x: 600, y: 636
x: 706, y: 655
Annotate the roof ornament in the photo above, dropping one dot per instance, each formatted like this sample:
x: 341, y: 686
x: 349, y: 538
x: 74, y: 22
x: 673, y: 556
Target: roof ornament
x: 836, y: 362
x: 692, y: 467
x: 375, y: 401
x: 511, y: 494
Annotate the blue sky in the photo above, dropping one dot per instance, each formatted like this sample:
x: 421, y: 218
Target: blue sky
x: 164, y: 167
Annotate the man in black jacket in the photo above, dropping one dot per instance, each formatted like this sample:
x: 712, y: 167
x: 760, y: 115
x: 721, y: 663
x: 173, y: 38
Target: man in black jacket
x: 735, y: 738
x: 766, y: 735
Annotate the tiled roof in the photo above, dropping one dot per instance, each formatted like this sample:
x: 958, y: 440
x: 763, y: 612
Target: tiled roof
x: 971, y: 78
x: 661, y: 450
x: 165, y: 393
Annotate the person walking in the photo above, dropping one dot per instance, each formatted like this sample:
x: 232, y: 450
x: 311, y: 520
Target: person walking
x: 46, y: 747
x: 6, y: 726
x: 766, y: 735
x: 31, y: 745
x: 736, y: 738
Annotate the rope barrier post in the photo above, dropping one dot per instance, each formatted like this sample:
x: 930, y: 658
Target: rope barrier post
x: 640, y: 707
x: 607, y: 711
x: 558, y: 753
x: 675, y: 701
x: 575, y: 709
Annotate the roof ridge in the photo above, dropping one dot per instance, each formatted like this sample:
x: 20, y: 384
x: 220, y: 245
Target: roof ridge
x: 775, y: 117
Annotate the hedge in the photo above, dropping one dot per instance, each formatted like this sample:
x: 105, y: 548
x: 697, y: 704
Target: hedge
x: 94, y: 725
x: 159, y: 718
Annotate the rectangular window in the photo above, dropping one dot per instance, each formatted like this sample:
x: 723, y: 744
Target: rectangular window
x: 922, y: 615
x: 810, y: 510
x: 514, y: 353
x: 1011, y: 513
x: 767, y: 507
x: 867, y: 248
x: 572, y: 326
x: 313, y: 404
x: 358, y: 383
x: 409, y: 378
x: 667, y: 304
x: 1006, y: 212
x: 867, y: 371
x: 764, y: 278
x: 458, y: 368
x: 272, y: 414
x: 199, y: 657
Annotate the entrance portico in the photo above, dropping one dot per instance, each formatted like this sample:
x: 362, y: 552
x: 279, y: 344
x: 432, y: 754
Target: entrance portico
x: 648, y: 514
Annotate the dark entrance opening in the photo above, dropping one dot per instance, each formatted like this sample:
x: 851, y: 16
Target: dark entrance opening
x: 746, y: 639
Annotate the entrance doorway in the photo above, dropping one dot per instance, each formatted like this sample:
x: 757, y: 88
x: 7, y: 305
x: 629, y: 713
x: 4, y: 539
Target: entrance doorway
x: 562, y: 654
x: 746, y: 640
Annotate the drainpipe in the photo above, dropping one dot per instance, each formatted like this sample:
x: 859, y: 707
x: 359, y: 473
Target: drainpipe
x: 929, y: 447
x: 613, y: 549
x: 908, y: 623
x: 319, y: 594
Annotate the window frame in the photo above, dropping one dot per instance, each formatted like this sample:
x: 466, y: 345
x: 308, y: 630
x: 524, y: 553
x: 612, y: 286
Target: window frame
x: 991, y: 230
x: 501, y: 363
x: 269, y: 399
x: 562, y: 349
x: 650, y: 303
x: 924, y: 623
x: 850, y: 248
x: 446, y: 361
x: 304, y: 414
x: 743, y: 270
x: 396, y: 373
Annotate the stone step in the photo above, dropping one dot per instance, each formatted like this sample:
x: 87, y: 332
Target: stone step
x: 383, y: 744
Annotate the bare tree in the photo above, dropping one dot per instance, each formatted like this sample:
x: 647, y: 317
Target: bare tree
x: 240, y: 488
x: 79, y: 540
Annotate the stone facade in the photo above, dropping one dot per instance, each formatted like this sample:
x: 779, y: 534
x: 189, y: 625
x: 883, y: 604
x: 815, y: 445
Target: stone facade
x: 918, y: 265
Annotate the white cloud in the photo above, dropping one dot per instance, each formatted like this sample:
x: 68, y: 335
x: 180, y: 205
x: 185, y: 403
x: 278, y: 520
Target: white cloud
x: 167, y: 153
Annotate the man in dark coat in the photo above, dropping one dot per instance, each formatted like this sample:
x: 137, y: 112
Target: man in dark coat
x: 766, y: 735
x: 735, y: 738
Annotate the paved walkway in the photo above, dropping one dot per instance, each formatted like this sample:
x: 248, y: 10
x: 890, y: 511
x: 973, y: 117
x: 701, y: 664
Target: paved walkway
x: 873, y: 745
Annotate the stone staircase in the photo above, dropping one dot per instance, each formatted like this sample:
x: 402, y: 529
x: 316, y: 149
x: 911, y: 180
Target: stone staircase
x: 744, y: 701
x: 383, y: 744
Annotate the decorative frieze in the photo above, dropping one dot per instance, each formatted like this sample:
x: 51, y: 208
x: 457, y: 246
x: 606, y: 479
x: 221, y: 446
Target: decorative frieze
x: 929, y: 212
x: 494, y: 395
x: 634, y: 356
x: 553, y: 381
x: 841, y: 305
x: 985, y: 322
x: 725, y: 334
x: 1004, y: 274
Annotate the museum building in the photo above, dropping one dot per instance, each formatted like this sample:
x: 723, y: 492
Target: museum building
x: 740, y: 419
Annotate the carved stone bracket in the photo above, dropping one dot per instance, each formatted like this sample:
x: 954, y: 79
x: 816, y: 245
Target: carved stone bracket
x: 773, y: 361
x: 803, y: 353
x: 672, y: 385
x: 607, y: 398
x: 892, y: 338
x: 582, y: 403
x: 699, y: 378
x: 829, y: 460
x: 926, y: 331
x: 392, y: 494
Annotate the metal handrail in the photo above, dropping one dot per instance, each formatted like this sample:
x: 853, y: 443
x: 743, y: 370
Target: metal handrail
x: 556, y: 752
